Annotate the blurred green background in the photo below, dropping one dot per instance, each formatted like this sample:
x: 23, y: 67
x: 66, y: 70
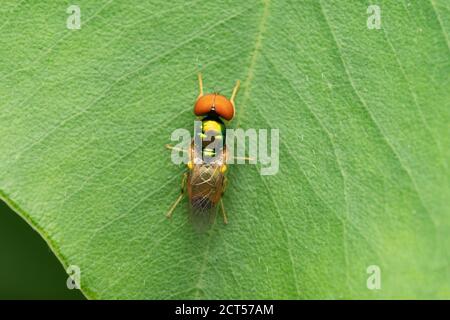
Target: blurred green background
x: 28, y: 268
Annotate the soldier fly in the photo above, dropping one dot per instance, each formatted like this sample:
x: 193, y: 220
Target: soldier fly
x: 205, y: 180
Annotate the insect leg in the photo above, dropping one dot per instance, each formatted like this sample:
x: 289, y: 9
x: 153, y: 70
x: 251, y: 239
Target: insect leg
x: 222, y: 208
x: 227, y: 155
x: 170, y: 147
x: 224, y: 185
x: 244, y: 158
x: 200, y: 85
x: 235, y: 89
x: 183, y: 191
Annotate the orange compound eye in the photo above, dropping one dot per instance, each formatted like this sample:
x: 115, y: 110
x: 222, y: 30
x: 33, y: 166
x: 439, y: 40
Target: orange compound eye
x: 214, y: 102
x: 204, y: 104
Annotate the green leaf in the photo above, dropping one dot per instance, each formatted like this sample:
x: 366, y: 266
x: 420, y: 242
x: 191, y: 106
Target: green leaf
x: 364, y: 128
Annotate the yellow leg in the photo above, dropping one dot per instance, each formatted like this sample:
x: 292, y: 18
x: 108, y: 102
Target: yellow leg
x: 235, y: 90
x: 170, y: 147
x: 222, y: 207
x: 244, y: 158
x: 225, y: 184
x: 200, y: 85
x: 169, y: 213
x: 175, y: 204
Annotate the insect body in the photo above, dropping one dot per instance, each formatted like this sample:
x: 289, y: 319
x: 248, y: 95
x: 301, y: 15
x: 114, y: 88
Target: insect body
x: 205, y: 180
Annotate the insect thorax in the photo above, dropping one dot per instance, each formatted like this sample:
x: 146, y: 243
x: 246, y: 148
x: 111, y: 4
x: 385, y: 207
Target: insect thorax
x: 212, y: 136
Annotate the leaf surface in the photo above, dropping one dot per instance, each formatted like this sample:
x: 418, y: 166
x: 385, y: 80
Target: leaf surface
x: 364, y: 144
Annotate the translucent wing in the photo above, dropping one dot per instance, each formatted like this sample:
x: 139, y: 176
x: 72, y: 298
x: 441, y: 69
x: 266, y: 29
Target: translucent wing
x: 205, y: 186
